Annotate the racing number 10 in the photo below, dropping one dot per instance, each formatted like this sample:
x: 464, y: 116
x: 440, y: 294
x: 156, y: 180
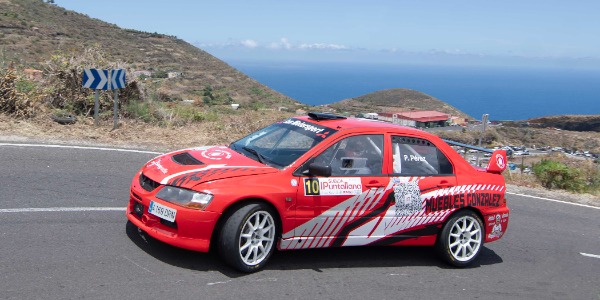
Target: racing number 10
x: 311, y: 186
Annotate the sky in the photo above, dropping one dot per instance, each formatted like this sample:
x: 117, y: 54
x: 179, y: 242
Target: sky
x: 509, y: 32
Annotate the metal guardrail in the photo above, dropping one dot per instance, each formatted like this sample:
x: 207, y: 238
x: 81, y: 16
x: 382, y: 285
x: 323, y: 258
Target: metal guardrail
x: 453, y: 143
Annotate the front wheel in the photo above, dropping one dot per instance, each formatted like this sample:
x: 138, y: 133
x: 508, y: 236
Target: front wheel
x: 247, y: 238
x: 461, y: 238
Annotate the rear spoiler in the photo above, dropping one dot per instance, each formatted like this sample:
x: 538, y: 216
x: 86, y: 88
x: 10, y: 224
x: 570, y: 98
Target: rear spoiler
x: 497, y: 162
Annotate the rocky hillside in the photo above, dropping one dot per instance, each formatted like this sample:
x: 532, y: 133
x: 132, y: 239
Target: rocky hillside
x: 32, y: 31
x: 568, y: 122
x: 395, y: 100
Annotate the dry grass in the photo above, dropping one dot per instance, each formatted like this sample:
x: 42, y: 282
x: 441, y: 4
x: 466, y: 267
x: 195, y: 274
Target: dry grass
x: 137, y: 134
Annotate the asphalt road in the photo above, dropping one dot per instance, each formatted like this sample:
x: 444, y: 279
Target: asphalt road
x: 63, y: 251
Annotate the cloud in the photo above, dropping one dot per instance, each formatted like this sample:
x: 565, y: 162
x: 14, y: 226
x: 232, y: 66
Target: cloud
x: 283, y: 43
x: 249, y: 43
x: 321, y: 46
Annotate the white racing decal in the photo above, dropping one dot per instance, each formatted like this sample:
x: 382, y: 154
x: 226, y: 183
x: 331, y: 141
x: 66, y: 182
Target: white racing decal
x: 209, y: 167
x: 407, y: 211
x: 216, y: 153
x: 500, y: 161
x: 305, y: 126
x: 414, y: 158
x: 156, y: 163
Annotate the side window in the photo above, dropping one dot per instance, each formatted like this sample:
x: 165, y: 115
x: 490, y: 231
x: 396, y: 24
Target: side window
x: 418, y: 157
x: 355, y: 155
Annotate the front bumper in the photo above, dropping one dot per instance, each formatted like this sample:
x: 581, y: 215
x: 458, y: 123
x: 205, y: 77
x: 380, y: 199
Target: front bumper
x: 191, y: 230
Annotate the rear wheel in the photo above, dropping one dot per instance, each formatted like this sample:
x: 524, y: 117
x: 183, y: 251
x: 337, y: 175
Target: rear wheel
x: 461, y: 239
x: 247, y: 238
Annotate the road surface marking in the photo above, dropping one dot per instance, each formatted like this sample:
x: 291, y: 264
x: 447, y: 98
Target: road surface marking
x: 589, y: 255
x: 554, y: 200
x: 79, y: 147
x: 219, y: 282
x: 59, y: 209
x: 133, y: 262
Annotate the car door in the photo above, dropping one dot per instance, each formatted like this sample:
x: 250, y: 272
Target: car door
x: 331, y: 209
x: 420, y: 175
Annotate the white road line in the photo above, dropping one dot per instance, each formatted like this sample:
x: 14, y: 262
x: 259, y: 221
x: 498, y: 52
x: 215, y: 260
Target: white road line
x: 79, y: 147
x: 554, y: 200
x: 133, y: 262
x: 59, y: 209
x: 219, y: 282
x: 589, y: 255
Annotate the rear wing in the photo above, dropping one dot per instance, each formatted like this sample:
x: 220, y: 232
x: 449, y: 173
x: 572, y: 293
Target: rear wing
x: 497, y: 162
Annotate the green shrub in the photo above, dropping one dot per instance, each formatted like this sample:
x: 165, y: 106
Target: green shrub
x: 556, y: 175
x: 140, y: 110
x: 25, y: 86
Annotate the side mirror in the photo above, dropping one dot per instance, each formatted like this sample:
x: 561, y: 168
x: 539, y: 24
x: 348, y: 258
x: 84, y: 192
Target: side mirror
x: 315, y: 169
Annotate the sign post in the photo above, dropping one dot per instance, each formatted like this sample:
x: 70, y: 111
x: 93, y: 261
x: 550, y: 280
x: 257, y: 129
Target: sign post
x: 104, y: 80
x: 484, y: 121
x: 116, y: 111
x: 96, y: 104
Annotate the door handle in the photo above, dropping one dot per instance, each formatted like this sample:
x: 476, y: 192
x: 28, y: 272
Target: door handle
x: 444, y: 184
x: 374, y: 184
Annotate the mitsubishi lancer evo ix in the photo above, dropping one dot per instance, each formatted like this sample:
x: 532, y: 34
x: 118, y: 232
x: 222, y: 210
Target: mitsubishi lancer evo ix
x: 318, y: 181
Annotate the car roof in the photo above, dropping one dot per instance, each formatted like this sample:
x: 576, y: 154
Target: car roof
x: 343, y: 123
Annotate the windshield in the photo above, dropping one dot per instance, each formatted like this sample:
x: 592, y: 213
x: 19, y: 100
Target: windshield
x: 280, y: 144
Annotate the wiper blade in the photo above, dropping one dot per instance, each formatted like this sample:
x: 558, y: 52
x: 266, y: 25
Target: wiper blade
x: 260, y: 157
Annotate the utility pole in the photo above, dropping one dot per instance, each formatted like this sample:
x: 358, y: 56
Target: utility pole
x: 484, y: 121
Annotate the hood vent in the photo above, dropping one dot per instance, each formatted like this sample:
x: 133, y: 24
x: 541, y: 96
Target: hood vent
x: 148, y: 184
x: 186, y: 159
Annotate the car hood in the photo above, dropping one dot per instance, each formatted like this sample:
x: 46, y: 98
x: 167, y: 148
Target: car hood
x: 190, y: 167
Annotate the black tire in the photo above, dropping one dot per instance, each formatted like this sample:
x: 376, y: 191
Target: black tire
x: 461, y: 240
x: 248, y: 237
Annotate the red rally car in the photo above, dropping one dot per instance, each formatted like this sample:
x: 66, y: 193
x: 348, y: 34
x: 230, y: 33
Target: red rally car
x: 321, y: 180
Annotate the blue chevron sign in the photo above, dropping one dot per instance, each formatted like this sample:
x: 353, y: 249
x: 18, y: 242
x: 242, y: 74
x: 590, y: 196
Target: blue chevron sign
x: 117, y: 78
x: 95, y: 79
x: 104, y: 79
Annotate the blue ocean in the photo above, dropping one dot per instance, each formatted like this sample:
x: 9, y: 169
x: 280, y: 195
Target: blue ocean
x: 503, y: 93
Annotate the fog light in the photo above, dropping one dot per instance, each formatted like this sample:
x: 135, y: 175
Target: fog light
x: 138, y: 209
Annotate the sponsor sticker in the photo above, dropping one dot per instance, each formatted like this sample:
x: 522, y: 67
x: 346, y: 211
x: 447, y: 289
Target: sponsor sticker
x: 215, y: 154
x: 500, y: 161
x: 332, y: 186
x: 408, y: 198
x: 156, y: 163
x: 303, y: 125
x: 498, y: 223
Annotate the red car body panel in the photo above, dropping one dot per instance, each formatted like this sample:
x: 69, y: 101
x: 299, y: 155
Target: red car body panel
x: 383, y: 209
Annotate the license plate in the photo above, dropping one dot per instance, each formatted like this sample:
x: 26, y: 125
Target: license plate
x: 162, y: 211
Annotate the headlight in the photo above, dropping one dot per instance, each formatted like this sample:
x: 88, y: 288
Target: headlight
x: 187, y: 198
